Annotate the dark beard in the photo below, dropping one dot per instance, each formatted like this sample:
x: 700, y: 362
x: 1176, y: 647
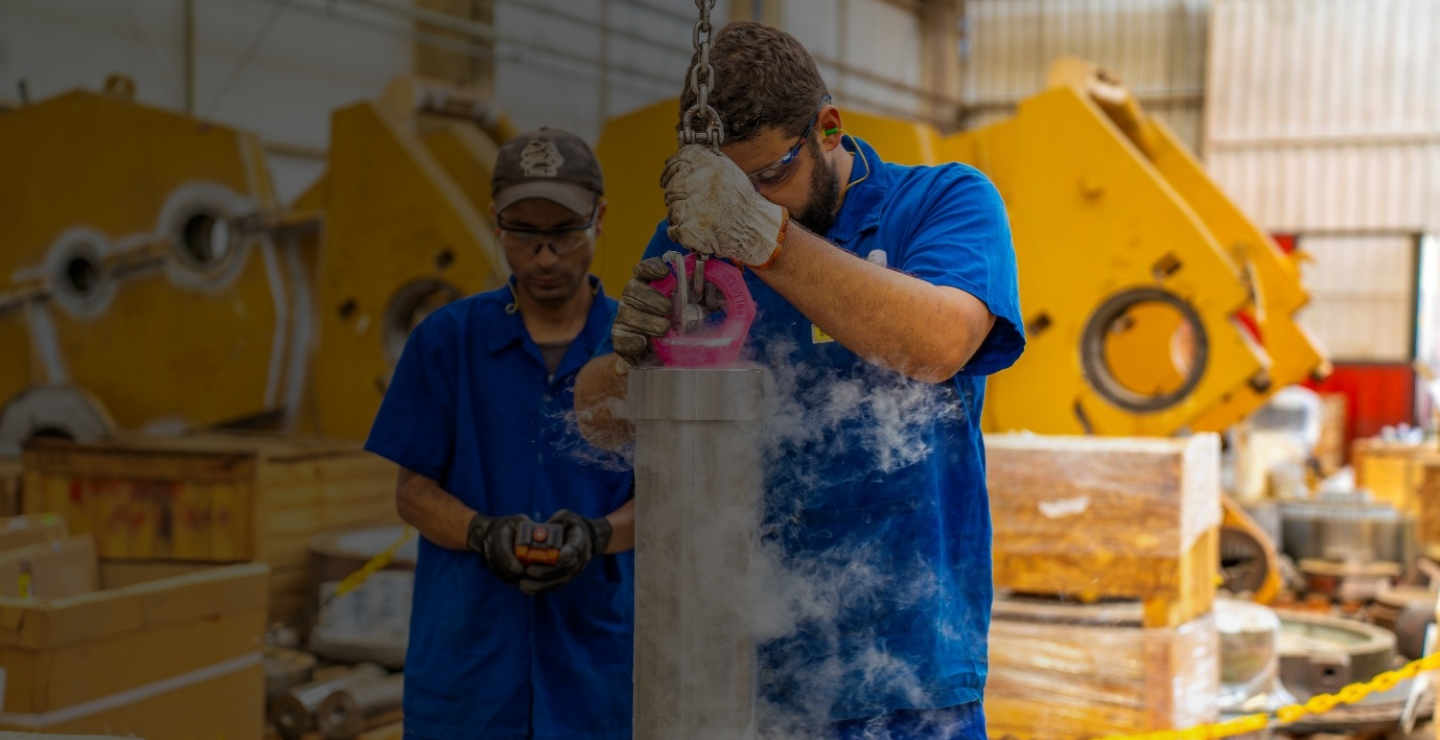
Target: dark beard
x: 820, y: 213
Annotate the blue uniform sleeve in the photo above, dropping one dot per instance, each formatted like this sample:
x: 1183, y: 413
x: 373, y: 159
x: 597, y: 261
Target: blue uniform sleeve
x: 415, y: 427
x: 660, y: 243
x: 962, y: 240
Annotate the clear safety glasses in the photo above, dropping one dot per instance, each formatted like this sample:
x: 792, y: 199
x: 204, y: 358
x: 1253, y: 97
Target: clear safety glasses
x: 780, y: 171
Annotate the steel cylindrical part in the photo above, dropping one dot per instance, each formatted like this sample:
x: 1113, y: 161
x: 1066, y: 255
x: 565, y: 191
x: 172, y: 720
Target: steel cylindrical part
x: 698, y: 483
x: 293, y: 713
x: 345, y: 714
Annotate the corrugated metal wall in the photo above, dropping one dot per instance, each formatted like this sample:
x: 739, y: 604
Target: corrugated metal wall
x: 1325, y: 114
x: 867, y: 50
x: 274, y: 67
x: 1156, y: 46
x: 1363, y: 303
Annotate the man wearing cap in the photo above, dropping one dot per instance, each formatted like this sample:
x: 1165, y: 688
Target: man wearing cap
x: 477, y: 418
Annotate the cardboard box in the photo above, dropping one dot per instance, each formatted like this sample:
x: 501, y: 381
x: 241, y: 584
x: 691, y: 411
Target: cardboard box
x: 1067, y: 676
x: 53, y: 570
x: 1098, y: 517
x: 214, y: 498
x: 23, y: 531
x: 176, y: 658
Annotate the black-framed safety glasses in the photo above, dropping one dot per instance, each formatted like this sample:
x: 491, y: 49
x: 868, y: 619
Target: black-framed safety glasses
x: 779, y: 171
x: 560, y: 241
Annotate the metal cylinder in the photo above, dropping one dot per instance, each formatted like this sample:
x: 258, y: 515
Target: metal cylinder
x: 347, y: 713
x: 293, y: 712
x: 698, y: 483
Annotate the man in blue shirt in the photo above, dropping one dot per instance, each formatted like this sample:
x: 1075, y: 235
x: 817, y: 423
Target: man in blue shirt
x: 478, y: 417
x: 886, y: 295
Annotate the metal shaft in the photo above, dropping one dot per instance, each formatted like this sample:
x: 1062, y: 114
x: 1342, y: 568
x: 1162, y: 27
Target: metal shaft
x: 697, y: 497
x: 293, y: 712
x: 345, y: 714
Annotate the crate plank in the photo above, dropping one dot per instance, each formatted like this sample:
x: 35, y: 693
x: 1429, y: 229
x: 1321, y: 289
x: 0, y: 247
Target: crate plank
x: 1073, y: 677
x: 211, y: 497
x: 1097, y: 518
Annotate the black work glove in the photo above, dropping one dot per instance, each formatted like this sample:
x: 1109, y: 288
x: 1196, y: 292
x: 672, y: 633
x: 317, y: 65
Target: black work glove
x: 584, y: 539
x: 493, y: 538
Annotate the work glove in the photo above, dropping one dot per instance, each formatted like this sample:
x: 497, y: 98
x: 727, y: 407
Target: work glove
x: 644, y: 313
x: 493, y: 538
x: 715, y: 210
x: 584, y: 539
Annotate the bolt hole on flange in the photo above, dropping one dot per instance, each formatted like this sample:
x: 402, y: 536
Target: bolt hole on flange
x: 1144, y: 350
x: 205, y: 239
x: 82, y: 277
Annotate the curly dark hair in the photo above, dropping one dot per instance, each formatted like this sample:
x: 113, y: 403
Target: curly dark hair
x: 764, y: 78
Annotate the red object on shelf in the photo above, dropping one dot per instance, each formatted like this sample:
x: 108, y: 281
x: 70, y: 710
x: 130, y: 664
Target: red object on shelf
x: 1377, y: 395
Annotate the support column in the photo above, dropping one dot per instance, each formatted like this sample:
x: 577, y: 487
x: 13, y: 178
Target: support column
x: 698, y: 489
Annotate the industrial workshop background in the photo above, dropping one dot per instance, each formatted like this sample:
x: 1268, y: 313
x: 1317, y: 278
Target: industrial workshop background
x: 215, y: 348
x: 1319, y: 118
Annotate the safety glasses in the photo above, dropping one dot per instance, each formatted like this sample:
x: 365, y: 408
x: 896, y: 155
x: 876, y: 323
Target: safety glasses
x: 561, y: 241
x: 780, y: 171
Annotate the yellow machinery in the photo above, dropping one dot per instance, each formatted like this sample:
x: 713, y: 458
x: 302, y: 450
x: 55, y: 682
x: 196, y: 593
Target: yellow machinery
x: 149, y: 279
x: 138, y: 286
x: 407, y: 227
x: 1139, y: 279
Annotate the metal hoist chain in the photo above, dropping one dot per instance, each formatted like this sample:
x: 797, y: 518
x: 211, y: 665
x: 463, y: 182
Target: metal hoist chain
x: 702, y: 82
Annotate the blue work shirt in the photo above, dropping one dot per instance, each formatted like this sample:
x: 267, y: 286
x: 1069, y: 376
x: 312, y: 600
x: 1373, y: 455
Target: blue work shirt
x: 470, y: 406
x: 875, y: 484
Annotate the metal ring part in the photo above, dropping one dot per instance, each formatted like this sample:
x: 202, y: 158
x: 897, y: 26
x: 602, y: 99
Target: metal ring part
x: 1097, y: 370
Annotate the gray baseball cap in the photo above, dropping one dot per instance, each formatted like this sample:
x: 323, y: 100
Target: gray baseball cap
x: 550, y: 164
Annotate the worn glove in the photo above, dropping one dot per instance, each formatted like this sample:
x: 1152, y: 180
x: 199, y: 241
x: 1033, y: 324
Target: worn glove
x: 644, y: 313
x: 493, y: 538
x: 715, y: 210
x: 584, y: 539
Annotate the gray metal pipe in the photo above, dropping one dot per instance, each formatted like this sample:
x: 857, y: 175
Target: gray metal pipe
x: 698, y: 483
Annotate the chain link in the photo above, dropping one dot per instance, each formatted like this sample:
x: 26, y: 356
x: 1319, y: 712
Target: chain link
x: 1315, y: 705
x: 702, y: 82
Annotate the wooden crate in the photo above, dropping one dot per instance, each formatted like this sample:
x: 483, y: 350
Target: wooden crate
x: 213, y: 499
x: 1392, y: 471
x: 170, y: 659
x: 1334, y: 426
x: 1073, y: 671
x: 1427, y: 503
x: 1096, y: 517
x: 12, y: 479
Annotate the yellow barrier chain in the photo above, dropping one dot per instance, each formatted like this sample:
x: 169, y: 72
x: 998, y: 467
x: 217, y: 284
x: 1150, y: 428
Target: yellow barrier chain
x: 349, y: 583
x: 377, y: 563
x: 1318, y: 704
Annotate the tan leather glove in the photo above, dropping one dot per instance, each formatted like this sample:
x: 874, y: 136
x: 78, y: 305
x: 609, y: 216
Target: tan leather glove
x: 715, y: 210
x: 644, y: 313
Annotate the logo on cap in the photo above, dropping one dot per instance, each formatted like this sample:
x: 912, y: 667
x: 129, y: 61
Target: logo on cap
x: 541, y: 158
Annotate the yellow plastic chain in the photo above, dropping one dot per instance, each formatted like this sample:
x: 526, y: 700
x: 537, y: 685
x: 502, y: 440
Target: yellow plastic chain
x: 1318, y: 704
x: 372, y: 565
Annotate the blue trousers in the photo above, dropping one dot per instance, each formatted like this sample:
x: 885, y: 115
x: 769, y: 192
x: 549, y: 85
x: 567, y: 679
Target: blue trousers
x: 964, y: 722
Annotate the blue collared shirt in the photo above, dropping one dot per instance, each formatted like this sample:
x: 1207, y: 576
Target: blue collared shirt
x: 471, y: 407
x: 875, y: 483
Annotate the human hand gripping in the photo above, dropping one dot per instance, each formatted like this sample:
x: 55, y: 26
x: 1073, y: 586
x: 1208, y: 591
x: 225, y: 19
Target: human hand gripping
x: 715, y: 210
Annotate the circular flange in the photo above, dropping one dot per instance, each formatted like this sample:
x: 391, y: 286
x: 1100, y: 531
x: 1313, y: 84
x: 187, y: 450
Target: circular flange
x: 51, y: 410
x: 1097, y: 369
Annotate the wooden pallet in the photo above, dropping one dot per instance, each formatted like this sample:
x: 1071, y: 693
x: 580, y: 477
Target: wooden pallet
x: 1104, y: 518
x: 1073, y: 671
x: 213, y: 499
